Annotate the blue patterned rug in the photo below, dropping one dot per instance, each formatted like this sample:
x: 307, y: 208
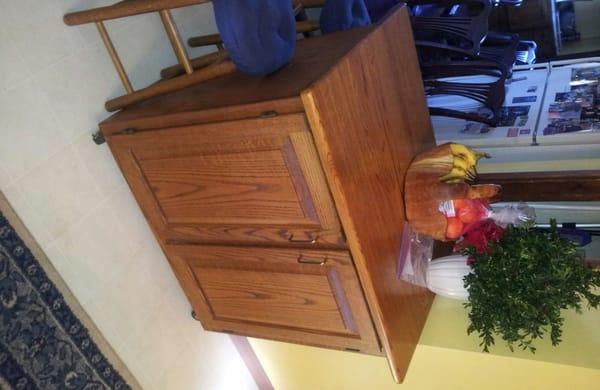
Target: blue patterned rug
x: 43, y: 345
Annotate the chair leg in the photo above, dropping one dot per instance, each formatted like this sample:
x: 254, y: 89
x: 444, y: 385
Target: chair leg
x: 114, y: 57
x: 171, y: 85
x: 205, y: 40
x: 178, y: 47
x: 305, y: 26
x: 197, y: 63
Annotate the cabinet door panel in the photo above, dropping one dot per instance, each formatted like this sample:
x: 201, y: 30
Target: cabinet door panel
x: 304, y: 296
x: 274, y: 298
x: 244, y: 181
x: 227, y: 189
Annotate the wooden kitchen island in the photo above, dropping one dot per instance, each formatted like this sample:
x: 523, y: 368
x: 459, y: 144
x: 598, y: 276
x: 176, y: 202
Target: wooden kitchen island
x: 279, y: 200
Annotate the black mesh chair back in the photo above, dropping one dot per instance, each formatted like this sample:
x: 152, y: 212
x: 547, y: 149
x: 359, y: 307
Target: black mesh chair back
x: 490, y: 95
x: 458, y: 24
x: 500, y: 48
x: 514, y: 3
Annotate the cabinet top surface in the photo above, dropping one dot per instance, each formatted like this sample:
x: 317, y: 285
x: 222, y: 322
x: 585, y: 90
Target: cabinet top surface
x: 313, y: 57
x: 369, y: 118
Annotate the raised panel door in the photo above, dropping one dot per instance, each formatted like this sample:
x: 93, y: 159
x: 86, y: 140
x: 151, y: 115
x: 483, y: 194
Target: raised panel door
x: 256, y: 180
x: 305, y: 296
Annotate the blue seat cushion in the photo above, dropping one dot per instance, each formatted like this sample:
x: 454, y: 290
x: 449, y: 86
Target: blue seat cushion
x: 339, y: 15
x: 260, y: 35
x: 378, y: 8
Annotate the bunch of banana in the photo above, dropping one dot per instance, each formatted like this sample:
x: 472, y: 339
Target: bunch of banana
x: 458, y: 161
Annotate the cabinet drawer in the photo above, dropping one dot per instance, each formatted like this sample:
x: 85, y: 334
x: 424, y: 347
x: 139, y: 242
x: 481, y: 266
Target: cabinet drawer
x: 249, y: 181
x: 304, y: 296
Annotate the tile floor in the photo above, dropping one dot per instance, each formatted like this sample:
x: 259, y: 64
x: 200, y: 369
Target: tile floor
x: 69, y: 192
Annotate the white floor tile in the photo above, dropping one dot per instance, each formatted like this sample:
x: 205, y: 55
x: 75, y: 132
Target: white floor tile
x: 94, y: 251
x: 47, y: 41
x: 61, y: 191
x: 5, y: 179
x: 12, y: 66
x: 101, y: 165
x: 27, y: 14
x: 30, y: 219
x: 76, y: 88
x: 226, y: 372
x: 133, y: 224
x: 29, y: 131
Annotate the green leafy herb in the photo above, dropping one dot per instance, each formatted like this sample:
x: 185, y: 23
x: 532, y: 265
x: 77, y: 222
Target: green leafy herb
x: 518, y: 289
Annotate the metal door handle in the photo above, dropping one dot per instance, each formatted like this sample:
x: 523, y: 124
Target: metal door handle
x: 311, y: 240
x: 304, y: 260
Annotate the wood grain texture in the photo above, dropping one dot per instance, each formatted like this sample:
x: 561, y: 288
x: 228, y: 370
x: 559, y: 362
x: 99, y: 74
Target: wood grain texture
x: 165, y: 86
x: 306, y: 296
x: 238, y: 96
x: 197, y: 63
x: 252, y: 181
x: 369, y: 119
x: 547, y: 186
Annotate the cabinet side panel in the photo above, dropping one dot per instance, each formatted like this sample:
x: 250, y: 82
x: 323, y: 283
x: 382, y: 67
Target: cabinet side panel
x: 369, y: 119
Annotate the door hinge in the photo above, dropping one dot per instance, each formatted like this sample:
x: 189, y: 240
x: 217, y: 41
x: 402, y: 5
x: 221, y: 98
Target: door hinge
x: 98, y: 138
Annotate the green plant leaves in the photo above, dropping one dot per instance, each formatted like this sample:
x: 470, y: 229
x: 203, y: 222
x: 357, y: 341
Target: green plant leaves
x: 517, y: 290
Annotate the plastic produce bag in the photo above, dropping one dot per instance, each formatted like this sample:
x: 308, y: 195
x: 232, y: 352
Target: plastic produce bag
x: 417, y: 248
x: 515, y: 214
x: 464, y: 214
x: 415, y: 255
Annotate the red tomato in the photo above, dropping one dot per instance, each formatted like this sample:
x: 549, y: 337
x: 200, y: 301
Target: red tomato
x: 454, y: 228
x: 462, y: 203
x: 468, y: 214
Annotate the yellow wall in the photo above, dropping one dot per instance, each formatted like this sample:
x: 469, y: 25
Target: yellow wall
x: 446, y: 358
x: 292, y: 367
x: 447, y: 323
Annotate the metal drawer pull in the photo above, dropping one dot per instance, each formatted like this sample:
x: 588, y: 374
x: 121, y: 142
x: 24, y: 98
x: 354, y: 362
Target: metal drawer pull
x: 304, y: 260
x: 307, y: 241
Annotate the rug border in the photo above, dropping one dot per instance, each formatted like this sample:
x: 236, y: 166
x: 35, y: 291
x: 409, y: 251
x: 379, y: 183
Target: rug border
x: 68, y: 295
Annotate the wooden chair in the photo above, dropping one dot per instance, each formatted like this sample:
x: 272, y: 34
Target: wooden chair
x: 303, y: 26
x: 193, y: 71
x: 188, y: 71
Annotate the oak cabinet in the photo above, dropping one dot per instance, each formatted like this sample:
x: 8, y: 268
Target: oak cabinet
x: 278, y: 201
x: 285, y: 294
